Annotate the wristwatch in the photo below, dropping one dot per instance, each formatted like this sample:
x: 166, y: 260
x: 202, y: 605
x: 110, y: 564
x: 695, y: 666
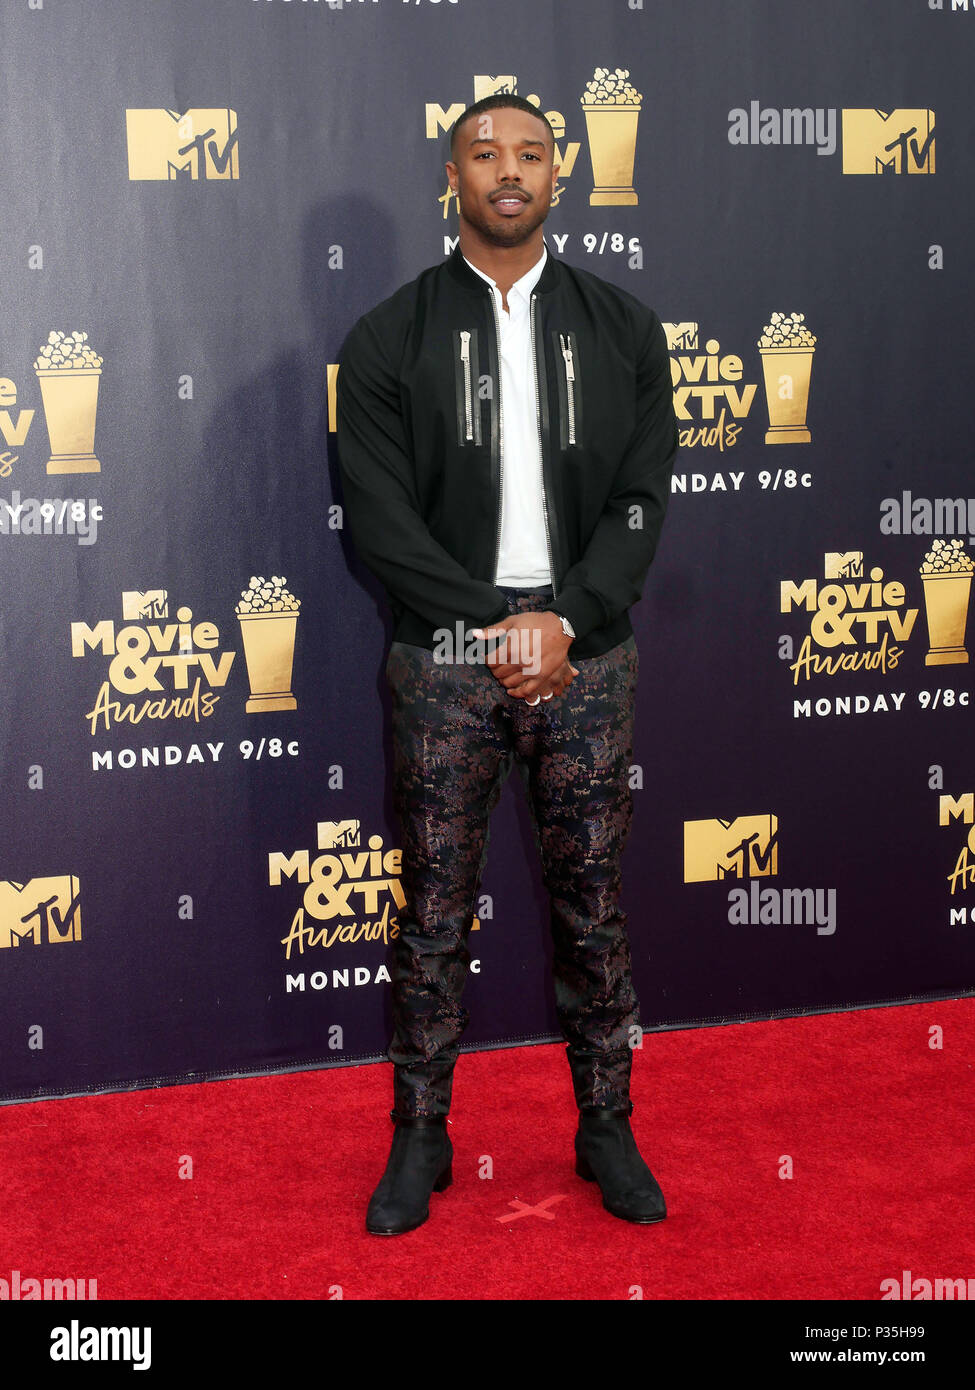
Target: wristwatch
x: 567, y: 627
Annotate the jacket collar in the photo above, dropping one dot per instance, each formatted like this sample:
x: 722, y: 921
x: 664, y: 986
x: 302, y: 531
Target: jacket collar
x: 461, y: 272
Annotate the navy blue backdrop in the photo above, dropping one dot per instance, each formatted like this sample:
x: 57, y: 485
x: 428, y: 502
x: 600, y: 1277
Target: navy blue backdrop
x: 198, y: 864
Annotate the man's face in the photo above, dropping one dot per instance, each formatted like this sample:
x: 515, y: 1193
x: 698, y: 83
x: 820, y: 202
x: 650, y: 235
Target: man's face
x: 504, y: 175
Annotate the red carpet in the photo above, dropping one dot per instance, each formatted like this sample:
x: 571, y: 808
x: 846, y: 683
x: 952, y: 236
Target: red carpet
x: 877, y: 1124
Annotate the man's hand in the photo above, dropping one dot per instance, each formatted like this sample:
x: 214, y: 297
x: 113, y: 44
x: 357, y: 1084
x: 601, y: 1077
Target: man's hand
x: 534, y: 640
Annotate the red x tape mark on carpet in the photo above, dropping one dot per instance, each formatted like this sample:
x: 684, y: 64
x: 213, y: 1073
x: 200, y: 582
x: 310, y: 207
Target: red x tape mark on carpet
x: 523, y: 1209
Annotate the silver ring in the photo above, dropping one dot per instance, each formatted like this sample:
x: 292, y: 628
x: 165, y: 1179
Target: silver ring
x: 533, y: 702
x: 549, y: 695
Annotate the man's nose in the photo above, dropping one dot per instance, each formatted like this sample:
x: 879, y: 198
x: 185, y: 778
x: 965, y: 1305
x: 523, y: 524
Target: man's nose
x: 508, y: 169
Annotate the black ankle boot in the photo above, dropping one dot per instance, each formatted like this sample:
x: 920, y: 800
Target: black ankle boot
x: 606, y: 1153
x: 419, y: 1163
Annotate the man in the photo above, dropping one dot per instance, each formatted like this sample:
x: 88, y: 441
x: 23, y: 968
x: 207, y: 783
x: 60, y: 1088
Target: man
x: 506, y: 438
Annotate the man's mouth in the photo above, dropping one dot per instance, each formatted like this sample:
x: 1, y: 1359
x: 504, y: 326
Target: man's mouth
x: 509, y: 203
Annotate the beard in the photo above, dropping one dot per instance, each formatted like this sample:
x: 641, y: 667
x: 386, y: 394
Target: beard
x: 500, y: 230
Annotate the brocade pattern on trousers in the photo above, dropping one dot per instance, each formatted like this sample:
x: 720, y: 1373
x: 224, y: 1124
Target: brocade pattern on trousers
x: 456, y: 734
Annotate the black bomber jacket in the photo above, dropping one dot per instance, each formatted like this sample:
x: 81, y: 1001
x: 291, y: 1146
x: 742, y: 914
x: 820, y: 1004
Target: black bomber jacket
x: 420, y: 442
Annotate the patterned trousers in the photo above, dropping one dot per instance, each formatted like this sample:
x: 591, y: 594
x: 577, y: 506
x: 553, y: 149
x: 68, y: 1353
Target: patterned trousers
x: 456, y: 734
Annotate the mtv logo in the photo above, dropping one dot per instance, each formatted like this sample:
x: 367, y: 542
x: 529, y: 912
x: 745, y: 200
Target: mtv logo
x: 42, y: 910
x: 746, y: 847
x: 879, y: 142
x: 489, y: 86
x: 338, y: 834
x: 843, y: 564
x: 136, y: 606
x: 681, y: 335
x: 197, y: 144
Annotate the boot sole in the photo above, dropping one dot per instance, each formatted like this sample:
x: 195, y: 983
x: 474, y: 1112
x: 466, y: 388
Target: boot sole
x: 441, y: 1185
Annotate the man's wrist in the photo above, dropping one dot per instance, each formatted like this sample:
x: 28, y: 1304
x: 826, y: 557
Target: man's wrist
x: 567, y: 627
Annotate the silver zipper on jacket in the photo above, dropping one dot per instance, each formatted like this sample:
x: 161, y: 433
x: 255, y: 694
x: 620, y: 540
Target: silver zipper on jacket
x: 570, y: 377
x: 541, y: 454
x: 465, y: 357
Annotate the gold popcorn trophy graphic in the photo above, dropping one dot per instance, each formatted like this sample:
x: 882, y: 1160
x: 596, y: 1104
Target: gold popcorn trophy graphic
x: 612, y: 108
x: 68, y: 371
x: 947, y: 578
x: 787, y: 349
x: 268, y: 616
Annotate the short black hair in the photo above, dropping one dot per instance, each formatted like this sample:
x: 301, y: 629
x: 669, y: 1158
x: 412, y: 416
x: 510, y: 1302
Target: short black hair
x: 498, y: 101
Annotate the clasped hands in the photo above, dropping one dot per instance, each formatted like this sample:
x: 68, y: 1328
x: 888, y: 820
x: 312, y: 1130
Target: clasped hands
x: 547, y: 650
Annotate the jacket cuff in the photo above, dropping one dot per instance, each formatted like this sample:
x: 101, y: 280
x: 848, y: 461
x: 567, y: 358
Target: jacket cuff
x: 583, y: 610
x: 498, y: 618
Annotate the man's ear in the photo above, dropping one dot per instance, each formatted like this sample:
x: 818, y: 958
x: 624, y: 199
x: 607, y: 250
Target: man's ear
x: 451, y: 168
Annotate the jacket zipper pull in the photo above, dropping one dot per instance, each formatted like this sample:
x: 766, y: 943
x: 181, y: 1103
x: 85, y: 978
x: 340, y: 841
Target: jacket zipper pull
x: 570, y: 376
x: 465, y: 357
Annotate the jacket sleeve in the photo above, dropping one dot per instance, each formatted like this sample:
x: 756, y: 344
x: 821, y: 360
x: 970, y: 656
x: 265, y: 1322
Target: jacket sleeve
x: 381, y: 504
x: 611, y: 573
